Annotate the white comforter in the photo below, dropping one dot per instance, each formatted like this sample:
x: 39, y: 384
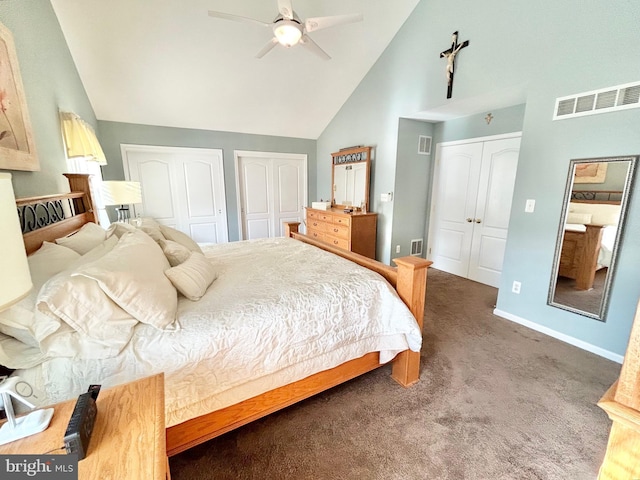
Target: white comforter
x: 280, y: 310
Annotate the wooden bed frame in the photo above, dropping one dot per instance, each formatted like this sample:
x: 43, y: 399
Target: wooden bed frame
x: 579, y: 254
x: 409, y: 280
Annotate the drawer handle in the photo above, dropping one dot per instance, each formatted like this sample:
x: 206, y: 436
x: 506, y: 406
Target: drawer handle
x: 336, y: 230
x: 335, y: 242
x: 315, y: 224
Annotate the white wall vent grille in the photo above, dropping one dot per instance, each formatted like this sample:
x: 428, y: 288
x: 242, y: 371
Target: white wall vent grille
x: 416, y: 247
x: 424, y: 145
x: 609, y: 99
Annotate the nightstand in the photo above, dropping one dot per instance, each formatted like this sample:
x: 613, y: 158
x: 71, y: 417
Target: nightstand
x: 128, y: 441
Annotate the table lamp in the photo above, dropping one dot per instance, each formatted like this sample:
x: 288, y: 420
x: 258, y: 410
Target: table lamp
x: 15, y: 284
x: 123, y: 194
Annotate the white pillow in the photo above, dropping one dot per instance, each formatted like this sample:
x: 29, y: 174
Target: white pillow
x: 153, y: 232
x: 193, y: 277
x: 49, y: 260
x: 583, y: 218
x: 132, y: 275
x: 88, y: 237
x: 15, y: 354
x: 175, y: 252
x: 182, y: 238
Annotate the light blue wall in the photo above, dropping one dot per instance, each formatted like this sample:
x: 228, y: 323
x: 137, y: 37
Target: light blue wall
x: 112, y: 134
x: 544, y: 50
x: 51, y: 83
x: 412, y: 187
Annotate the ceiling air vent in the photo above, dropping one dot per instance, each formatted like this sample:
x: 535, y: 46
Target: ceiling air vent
x: 609, y: 99
x: 416, y: 247
x: 424, y: 145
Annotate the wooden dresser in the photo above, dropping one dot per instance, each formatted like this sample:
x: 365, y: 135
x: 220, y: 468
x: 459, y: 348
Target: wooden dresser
x: 355, y: 232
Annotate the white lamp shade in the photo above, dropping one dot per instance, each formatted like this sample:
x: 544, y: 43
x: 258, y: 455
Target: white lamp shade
x: 121, y: 193
x: 80, y: 139
x: 15, y: 279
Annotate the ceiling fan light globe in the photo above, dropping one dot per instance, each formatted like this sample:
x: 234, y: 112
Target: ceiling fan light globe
x: 287, y: 32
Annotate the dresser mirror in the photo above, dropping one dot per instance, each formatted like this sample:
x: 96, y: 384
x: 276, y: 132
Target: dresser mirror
x: 350, y: 178
x: 591, y: 226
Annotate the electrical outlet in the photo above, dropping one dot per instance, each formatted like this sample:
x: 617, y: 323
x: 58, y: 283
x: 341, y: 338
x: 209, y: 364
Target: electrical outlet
x: 397, y: 248
x: 516, y: 287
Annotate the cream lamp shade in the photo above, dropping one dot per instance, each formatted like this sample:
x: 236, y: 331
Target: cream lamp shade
x: 15, y: 279
x: 80, y: 139
x: 123, y: 194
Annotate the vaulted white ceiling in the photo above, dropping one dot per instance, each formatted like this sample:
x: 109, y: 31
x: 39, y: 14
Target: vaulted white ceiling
x: 166, y: 62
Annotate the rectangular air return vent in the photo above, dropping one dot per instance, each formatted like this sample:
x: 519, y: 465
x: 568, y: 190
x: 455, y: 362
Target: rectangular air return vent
x: 424, y: 145
x: 416, y: 247
x: 605, y: 100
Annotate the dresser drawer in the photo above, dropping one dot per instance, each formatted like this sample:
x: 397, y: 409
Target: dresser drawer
x: 337, y: 242
x: 342, y: 220
x: 315, y: 224
x: 337, y: 230
x: 312, y: 215
x: 325, y: 217
x: 316, y: 235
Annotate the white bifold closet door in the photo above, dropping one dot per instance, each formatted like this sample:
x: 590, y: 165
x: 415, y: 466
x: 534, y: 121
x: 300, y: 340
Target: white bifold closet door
x: 471, y: 205
x: 181, y: 188
x: 271, y: 189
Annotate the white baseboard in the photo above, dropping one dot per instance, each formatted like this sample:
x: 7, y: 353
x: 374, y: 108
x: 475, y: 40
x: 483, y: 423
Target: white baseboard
x: 560, y: 336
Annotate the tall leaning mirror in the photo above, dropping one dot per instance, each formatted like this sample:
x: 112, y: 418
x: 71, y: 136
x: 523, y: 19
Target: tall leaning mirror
x: 591, y: 225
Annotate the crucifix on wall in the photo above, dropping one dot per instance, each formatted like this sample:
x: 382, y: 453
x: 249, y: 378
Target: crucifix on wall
x: 450, y: 55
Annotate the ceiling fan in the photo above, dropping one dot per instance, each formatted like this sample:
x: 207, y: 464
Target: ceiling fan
x: 289, y: 30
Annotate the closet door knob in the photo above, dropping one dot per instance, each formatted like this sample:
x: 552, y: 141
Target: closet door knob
x: 478, y: 220
x: 469, y: 220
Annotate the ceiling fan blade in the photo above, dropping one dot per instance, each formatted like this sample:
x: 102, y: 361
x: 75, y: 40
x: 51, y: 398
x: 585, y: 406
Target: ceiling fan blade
x: 267, y: 48
x: 307, y: 41
x: 237, y: 18
x: 285, y: 8
x: 318, y: 23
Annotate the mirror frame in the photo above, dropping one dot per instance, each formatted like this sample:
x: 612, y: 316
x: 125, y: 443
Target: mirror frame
x: 624, y: 202
x: 351, y: 156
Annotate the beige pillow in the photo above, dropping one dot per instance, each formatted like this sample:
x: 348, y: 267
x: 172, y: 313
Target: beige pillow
x: 119, y: 228
x: 193, y: 277
x: 132, y: 275
x: 153, y: 232
x: 182, y: 238
x: 88, y: 237
x: 15, y: 354
x: 82, y: 304
x: 175, y: 253
x: 583, y: 218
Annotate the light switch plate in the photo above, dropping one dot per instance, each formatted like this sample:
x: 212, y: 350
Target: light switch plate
x: 530, y: 206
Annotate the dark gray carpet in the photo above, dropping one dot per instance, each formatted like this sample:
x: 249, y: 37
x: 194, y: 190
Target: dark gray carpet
x: 495, y: 401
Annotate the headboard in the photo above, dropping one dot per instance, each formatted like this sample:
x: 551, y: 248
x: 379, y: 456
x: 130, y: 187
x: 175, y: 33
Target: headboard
x: 48, y: 217
x: 612, y: 197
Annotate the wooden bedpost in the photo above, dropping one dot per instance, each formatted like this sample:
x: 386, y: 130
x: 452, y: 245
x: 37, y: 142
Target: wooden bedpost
x: 411, y: 287
x: 290, y: 228
x: 79, y: 182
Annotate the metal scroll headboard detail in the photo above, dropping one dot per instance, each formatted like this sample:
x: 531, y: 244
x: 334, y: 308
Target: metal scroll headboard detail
x: 43, y: 212
x: 595, y: 196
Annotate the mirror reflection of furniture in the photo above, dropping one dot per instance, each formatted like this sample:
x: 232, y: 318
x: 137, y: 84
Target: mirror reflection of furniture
x: 350, y: 178
x: 122, y: 194
x: 591, y: 226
